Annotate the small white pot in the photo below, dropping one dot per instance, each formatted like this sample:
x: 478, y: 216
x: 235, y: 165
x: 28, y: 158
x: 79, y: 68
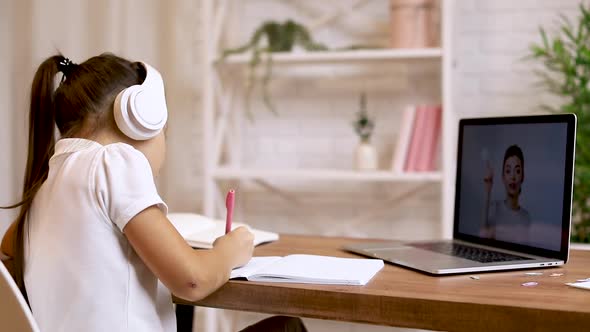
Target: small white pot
x: 365, y: 157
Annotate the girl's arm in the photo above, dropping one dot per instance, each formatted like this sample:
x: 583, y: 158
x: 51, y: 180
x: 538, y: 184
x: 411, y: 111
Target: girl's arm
x: 189, y: 274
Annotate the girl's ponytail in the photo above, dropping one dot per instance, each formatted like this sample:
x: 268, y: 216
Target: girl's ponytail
x: 41, y: 147
x: 41, y: 125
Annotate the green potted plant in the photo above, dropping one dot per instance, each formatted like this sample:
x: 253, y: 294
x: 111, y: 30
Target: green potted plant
x: 365, y: 154
x: 278, y: 37
x: 566, y: 60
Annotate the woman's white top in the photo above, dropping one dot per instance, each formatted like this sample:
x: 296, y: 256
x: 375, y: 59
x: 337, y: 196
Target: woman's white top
x: 81, y: 273
x: 510, y: 225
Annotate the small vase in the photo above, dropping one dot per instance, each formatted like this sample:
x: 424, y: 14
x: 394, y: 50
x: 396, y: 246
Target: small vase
x: 365, y: 157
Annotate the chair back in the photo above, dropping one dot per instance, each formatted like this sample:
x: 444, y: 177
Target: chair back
x: 15, y: 314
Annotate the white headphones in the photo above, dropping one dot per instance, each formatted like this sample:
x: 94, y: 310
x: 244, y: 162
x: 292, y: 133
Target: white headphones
x: 140, y: 110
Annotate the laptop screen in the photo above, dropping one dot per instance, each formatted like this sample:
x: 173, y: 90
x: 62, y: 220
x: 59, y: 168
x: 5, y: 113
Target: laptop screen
x: 514, y: 182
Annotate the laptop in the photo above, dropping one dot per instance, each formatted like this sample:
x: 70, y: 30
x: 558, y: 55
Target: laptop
x: 513, y: 200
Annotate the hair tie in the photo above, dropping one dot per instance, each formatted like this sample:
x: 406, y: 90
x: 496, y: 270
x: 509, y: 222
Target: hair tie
x: 65, y: 65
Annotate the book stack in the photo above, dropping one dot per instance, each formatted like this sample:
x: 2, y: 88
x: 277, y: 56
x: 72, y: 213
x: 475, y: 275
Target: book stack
x: 417, y: 147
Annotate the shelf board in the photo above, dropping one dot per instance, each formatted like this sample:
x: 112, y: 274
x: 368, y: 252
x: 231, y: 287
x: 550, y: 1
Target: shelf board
x: 343, y: 56
x: 326, y: 174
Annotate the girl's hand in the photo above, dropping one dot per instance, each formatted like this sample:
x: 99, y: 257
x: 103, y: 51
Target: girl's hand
x: 239, y: 244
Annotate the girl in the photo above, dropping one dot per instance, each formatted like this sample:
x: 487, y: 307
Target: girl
x: 507, y: 220
x: 92, y: 247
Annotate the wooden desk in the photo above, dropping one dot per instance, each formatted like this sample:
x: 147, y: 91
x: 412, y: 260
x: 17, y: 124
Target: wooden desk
x: 401, y: 297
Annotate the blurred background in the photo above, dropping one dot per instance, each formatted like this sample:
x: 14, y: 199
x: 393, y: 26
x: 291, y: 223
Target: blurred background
x: 466, y: 55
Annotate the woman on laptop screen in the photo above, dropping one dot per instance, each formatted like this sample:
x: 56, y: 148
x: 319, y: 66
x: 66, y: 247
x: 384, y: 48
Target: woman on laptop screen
x: 506, y: 220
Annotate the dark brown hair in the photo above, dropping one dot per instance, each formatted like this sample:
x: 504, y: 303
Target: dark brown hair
x: 514, y: 151
x: 81, y: 104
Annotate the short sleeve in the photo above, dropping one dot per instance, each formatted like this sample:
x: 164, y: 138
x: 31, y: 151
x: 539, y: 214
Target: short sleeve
x: 124, y: 184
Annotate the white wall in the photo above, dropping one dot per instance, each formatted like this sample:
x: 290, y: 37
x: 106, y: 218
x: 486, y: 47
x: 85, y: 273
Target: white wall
x: 492, y: 38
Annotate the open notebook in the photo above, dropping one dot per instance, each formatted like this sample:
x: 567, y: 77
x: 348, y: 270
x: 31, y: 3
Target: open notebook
x: 309, y: 269
x: 200, y: 231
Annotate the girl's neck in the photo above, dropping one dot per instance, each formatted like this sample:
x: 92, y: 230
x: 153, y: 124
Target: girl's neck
x: 105, y: 136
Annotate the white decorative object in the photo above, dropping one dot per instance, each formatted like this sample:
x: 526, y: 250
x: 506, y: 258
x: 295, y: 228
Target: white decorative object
x: 365, y: 157
x: 365, y: 154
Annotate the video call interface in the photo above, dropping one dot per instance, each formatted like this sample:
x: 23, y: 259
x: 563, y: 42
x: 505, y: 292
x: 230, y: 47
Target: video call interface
x: 512, y: 183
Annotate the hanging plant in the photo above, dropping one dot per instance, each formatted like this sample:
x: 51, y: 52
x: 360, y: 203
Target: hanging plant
x: 269, y: 38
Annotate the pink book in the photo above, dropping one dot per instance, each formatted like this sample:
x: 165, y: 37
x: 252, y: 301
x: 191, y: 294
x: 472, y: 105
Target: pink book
x: 428, y: 146
x: 403, y: 140
x: 426, y: 134
x: 416, y: 141
x: 435, y: 146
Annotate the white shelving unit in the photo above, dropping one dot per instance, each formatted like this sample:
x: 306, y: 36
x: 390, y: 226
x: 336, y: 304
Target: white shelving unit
x: 344, y: 56
x: 220, y: 113
x: 226, y: 173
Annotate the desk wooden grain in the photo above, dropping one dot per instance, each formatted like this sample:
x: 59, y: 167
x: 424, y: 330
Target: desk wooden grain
x: 405, y: 298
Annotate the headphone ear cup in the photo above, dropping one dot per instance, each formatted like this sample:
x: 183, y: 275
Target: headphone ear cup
x: 124, y: 115
x: 140, y: 110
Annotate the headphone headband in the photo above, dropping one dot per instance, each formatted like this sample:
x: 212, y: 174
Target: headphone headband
x: 140, y: 110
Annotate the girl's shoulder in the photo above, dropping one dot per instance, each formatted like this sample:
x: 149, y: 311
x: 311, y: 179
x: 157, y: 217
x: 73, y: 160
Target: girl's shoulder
x: 123, y: 183
x: 121, y: 157
x: 102, y: 162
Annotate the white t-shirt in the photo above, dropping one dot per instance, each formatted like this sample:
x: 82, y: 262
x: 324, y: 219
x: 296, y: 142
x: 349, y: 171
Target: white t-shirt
x: 81, y: 273
x: 510, y: 225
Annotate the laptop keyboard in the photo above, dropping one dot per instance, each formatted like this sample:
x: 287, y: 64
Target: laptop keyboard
x: 468, y: 252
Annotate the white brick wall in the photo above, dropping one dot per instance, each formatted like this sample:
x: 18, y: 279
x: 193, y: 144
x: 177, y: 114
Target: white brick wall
x: 491, y: 40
